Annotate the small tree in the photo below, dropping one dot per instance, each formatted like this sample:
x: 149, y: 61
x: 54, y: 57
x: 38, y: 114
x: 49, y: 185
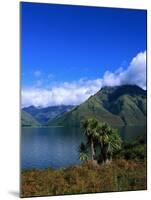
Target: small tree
x: 99, y: 135
x: 109, y: 141
x: 89, y: 127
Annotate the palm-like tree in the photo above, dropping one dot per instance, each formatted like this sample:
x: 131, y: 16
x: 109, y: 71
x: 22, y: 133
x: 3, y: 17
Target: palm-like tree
x: 109, y: 141
x: 115, y: 142
x: 102, y: 135
x: 90, y: 126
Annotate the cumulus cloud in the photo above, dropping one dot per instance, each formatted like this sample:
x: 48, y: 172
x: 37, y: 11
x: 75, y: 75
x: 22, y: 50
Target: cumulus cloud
x: 135, y: 74
x: 64, y: 94
x: 76, y: 92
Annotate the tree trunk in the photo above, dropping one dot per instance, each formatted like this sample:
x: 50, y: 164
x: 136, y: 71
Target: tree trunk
x: 92, y: 150
x: 104, y: 156
x: 110, y: 157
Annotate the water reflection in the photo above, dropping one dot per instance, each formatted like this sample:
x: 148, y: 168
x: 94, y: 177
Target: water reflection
x: 58, y: 147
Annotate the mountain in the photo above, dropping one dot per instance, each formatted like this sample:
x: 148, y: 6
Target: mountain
x: 118, y: 106
x: 43, y: 115
x: 28, y: 120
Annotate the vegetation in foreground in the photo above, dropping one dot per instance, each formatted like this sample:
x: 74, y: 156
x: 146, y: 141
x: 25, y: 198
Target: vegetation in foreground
x: 102, y: 141
x: 119, y: 175
x: 127, y: 171
x: 108, y: 165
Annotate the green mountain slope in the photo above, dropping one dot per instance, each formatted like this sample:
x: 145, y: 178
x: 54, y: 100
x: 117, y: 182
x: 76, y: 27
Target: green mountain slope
x: 28, y: 120
x: 43, y: 115
x: 118, y: 106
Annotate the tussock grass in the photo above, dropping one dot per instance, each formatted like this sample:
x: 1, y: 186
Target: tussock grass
x: 119, y: 175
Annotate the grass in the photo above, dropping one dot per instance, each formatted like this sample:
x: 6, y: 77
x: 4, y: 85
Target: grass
x: 119, y: 175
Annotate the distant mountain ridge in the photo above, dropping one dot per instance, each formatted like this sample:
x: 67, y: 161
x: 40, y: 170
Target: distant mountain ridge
x: 119, y: 106
x: 43, y: 115
x: 27, y: 120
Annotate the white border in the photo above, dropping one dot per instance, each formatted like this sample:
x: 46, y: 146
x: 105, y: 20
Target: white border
x: 139, y: 4
x: 9, y: 98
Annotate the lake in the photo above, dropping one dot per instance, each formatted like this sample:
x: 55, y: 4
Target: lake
x: 58, y: 147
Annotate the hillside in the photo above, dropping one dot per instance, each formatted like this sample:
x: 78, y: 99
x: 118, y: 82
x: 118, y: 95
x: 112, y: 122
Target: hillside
x: 27, y: 120
x: 43, y: 115
x: 118, y: 106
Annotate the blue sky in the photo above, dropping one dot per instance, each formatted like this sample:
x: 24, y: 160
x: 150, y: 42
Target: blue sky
x: 62, y: 46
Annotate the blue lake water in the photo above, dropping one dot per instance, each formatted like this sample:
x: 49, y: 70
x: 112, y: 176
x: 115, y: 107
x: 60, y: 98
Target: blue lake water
x: 58, y: 147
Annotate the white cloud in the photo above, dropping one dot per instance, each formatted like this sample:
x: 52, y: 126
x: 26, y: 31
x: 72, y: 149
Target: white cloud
x: 73, y: 93
x: 134, y: 74
x: 66, y: 93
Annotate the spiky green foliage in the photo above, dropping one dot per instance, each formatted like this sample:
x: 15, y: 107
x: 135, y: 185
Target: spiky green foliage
x: 89, y: 127
x: 102, y: 135
x: 118, y: 106
x: 109, y: 141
